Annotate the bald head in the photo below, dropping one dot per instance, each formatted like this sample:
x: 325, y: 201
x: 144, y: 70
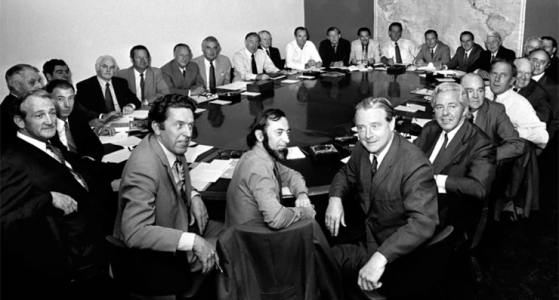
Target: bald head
x: 475, y: 88
x: 524, y: 75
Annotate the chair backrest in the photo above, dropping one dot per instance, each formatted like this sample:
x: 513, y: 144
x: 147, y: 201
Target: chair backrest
x: 441, y: 236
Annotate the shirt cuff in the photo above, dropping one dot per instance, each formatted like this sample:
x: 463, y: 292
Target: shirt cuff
x: 441, y: 181
x: 100, y: 116
x: 186, y: 242
x: 194, y: 193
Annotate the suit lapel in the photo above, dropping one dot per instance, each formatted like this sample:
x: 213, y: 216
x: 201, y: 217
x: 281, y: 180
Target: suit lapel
x: 453, y: 149
x: 481, y: 117
x: 132, y: 79
x: 385, y: 167
x: 366, y: 177
x: 203, y: 69
x: 431, y: 140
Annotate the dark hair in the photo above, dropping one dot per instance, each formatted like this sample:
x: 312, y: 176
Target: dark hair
x: 140, y: 47
x: 363, y: 29
x: 159, y: 111
x: 332, y: 29
x: 468, y: 33
x: 509, y: 63
x: 370, y: 103
x: 302, y: 28
x: 396, y: 24
x: 543, y: 51
x: 17, y: 70
x: 252, y: 34
x: 553, y: 41
x: 15, y: 105
x: 181, y: 45
x: 48, y: 67
x: 59, y: 84
x: 432, y: 31
x: 261, y: 123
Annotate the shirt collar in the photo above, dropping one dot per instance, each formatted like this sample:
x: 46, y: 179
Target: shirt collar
x: 468, y: 52
x: 41, y: 145
x: 504, y: 95
x: 137, y: 74
x: 249, y: 54
x: 60, y: 125
x: 207, y: 62
x: 538, y: 77
x: 435, y: 48
x: 181, y: 68
x: 382, y: 154
x: 171, y: 157
x: 103, y: 82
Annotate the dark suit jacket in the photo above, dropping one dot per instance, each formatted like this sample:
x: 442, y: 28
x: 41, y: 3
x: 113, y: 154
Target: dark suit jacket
x: 539, y: 99
x: 66, y: 243
x: 179, y: 84
x: 494, y: 121
x: 275, y: 56
x: 469, y: 161
x: 484, y: 61
x: 87, y: 142
x: 553, y: 69
x: 441, y: 55
x: 400, y: 202
x: 328, y: 56
x: 92, y: 97
x: 8, y: 128
x: 155, y: 85
x: 457, y: 61
x: 552, y: 89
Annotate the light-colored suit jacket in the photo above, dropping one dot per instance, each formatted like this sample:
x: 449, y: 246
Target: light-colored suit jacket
x: 151, y: 213
x: 222, y: 66
x: 155, y: 85
x: 441, y: 55
x: 179, y: 84
x: 357, y: 51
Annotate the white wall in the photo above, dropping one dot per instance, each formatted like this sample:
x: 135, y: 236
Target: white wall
x: 79, y: 31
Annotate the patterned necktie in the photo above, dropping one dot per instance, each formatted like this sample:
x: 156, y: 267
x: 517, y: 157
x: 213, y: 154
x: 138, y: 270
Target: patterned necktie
x: 253, y: 65
x: 142, y: 87
x: 69, y: 138
x: 278, y: 178
x: 365, y: 52
x: 465, y: 59
x: 374, y: 167
x: 441, y: 151
x: 398, y: 55
x: 212, y: 77
x: 109, y: 105
x: 61, y: 160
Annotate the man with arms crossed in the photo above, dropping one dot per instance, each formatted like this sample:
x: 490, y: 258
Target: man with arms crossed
x: 250, y: 63
x: 301, y: 53
x: 396, y: 190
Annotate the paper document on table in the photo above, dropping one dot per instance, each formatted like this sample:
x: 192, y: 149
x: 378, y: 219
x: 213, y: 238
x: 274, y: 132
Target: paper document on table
x: 305, y: 77
x: 200, y: 110
x: 239, y: 85
x: 250, y: 94
x: 228, y: 174
x: 290, y: 81
x: 405, y: 108
x: 423, y: 92
x: 345, y: 160
x: 130, y: 141
x: 112, y: 139
x: 218, y: 165
x: 294, y: 153
x: 203, y: 172
x: 416, y: 106
x: 200, y: 186
x: 445, y: 80
x: 117, y: 156
x: 139, y: 114
x: 277, y: 77
x: 421, y: 122
x: 193, y: 152
x: 204, y: 98
x: 220, y: 102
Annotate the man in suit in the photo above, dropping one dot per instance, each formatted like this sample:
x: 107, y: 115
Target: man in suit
x: 182, y: 76
x: 146, y: 81
x: 334, y: 50
x: 492, y: 118
x: 105, y: 95
x: 396, y: 189
x: 541, y: 62
x: 466, y: 55
x: 157, y: 205
x: 531, y: 44
x: 20, y: 79
x: 433, y: 51
x: 397, y: 50
x: 215, y: 68
x: 528, y: 88
x: 493, y: 44
x: 550, y: 46
x: 301, y: 54
x: 364, y: 50
x: 57, y: 69
x: 463, y: 158
x: 65, y: 215
x: 251, y: 63
x: 272, y: 52
x: 255, y: 189
x: 520, y: 111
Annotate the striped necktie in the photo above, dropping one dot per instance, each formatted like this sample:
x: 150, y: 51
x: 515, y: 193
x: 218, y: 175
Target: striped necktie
x: 60, y: 159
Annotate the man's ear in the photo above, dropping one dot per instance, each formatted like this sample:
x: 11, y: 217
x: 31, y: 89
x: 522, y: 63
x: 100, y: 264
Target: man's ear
x: 155, y: 127
x: 19, y: 122
x: 259, y: 135
x: 48, y: 76
x: 392, y: 124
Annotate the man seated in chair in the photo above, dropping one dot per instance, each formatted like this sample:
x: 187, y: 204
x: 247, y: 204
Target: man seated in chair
x: 255, y: 189
x: 396, y: 189
x: 463, y: 157
x: 158, y: 207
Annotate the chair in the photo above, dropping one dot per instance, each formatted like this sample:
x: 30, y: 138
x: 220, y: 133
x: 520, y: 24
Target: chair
x: 143, y: 273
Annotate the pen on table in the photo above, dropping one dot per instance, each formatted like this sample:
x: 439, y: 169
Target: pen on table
x: 305, y: 152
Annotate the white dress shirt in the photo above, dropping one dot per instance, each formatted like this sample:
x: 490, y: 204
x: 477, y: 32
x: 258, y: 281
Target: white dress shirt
x: 407, y: 50
x: 440, y: 178
x: 103, y: 84
x: 296, y: 58
x: 538, y: 77
x: 242, y: 62
x: 382, y: 154
x: 60, y: 128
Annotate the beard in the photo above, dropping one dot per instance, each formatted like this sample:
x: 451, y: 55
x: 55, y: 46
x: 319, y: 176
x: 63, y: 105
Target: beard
x: 276, y: 154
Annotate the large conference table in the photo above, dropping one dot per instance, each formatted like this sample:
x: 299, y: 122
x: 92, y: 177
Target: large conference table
x: 317, y: 110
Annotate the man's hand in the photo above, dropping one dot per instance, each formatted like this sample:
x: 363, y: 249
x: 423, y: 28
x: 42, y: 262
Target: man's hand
x: 420, y: 62
x: 371, y: 61
x: 197, y: 90
x: 262, y: 77
x: 205, y: 253
x: 128, y: 109
x: 104, y: 130
x: 113, y: 115
x: 198, y: 213
x: 337, y: 64
x: 310, y: 64
x: 303, y: 201
x: 318, y: 64
x: 370, y: 274
x: 307, y: 212
x: 334, y: 215
x: 95, y: 123
x: 484, y: 74
x: 64, y: 202
x: 390, y: 62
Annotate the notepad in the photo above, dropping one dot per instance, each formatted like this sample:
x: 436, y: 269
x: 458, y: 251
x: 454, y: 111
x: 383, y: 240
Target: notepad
x: 290, y: 81
x: 294, y: 153
x: 193, y: 152
x: 220, y: 102
x: 117, y: 156
x: 112, y: 139
x: 250, y: 94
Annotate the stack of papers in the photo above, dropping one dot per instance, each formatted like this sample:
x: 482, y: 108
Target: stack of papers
x: 228, y: 174
x: 200, y: 110
x: 423, y: 92
x: 305, y: 77
x: 294, y: 153
x: 290, y: 81
x: 359, y: 68
x: 194, y: 151
x: 250, y: 94
x: 139, y: 114
x: 220, y: 102
x: 205, y: 173
x: 203, y: 98
x: 117, y: 156
x: 405, y: 108
x: 112, y: 139
x: 239, y: 85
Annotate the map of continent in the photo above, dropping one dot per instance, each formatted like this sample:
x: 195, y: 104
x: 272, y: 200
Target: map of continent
x: 451, y: 17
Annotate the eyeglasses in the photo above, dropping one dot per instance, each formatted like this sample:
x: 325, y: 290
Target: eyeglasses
x: 227, y: 154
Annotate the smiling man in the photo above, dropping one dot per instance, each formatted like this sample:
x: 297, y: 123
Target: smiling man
x: 433, y: 51
x: 181, y: 75
x: 334, y: 50
x: 364, y: 50
x: 466, y: 55
x: 301, y: 53
x: 463, y: 158
x: 528, y: 88
x: 215, y: 68
x: 255, y: 189
x: 395, y: 188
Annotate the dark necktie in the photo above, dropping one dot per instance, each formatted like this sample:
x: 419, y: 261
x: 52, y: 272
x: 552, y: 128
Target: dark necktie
x: 465, y: 59
x: 268, y: 52
x: 181, y: 183
x: 278, y: 178
x: 212, y: 77
x: 365, y: 51
x: 492, y: 58
x: 142, y: 87
x: 253, y: 65
x: 374, y: 167
x: 60, y: 159
x: 184, y: 73
x: 334, y: 48
x: 398, y: 55
x: 109, y: 105
x: 69, y: 138
x: 441, y: 151
x: 515, y: 89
